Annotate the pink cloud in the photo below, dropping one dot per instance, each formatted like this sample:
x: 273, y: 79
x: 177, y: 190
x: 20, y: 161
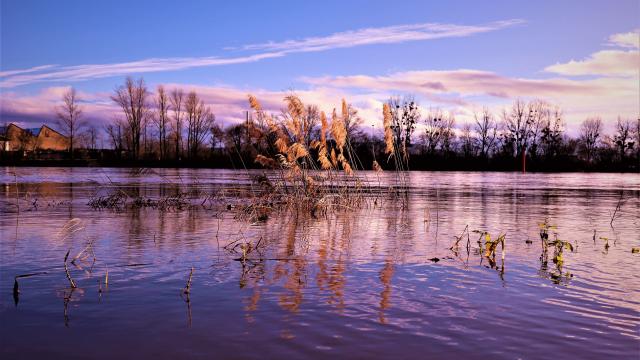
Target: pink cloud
x: 618, y: 62
x: 604, y: 63
x: 629, y: 39
x: 456, y: 91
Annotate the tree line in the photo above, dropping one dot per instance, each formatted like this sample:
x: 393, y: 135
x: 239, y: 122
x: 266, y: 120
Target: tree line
x: 171, y: 125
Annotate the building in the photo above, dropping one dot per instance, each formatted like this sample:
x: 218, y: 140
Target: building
x: 15, y: 138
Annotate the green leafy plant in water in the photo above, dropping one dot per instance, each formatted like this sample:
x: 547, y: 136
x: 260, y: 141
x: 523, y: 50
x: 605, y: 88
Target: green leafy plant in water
x: 492, y: 245
x: 488, y: 246
x: 559, y: 246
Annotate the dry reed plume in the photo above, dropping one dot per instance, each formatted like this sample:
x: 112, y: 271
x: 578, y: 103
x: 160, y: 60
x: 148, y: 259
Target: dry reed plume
x: 315, y: 164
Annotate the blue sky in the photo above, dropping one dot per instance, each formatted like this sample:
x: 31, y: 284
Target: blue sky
x: 511, y: 40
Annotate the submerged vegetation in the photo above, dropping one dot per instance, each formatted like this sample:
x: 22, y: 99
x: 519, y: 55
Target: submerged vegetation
x: 558, y: 246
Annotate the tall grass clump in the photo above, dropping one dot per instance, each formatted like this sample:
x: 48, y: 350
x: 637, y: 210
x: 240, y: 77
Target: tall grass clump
x: 315, y: 165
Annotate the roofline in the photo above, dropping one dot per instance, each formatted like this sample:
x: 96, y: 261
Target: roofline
x: 13, y: 124
x: 48, y: 127
x: 41, y: 127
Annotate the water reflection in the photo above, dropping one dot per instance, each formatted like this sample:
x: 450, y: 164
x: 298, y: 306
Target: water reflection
x: 388, y: 270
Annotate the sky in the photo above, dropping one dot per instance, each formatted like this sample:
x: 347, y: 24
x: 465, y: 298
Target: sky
x: 460, y: 56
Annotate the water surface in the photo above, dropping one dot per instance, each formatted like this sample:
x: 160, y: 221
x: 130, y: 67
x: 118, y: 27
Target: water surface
x: 358, y: 283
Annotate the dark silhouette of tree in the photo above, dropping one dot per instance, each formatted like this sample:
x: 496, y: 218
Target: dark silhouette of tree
x: 132, y: 98
x: 199, y: 121
x: 177, y: 99
x: 487, y: 129
x: 405, y: 114
x: 161, y: 120
x: 623, y: 138
x: 70, y: 117
x: 551, y: 133
x: 590, y: 133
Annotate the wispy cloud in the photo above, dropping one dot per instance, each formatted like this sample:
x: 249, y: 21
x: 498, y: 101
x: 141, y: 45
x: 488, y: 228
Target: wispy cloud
x: 382, y: 35
x: 96, y: 71
x: 25, y: 71
x: 369, y: 36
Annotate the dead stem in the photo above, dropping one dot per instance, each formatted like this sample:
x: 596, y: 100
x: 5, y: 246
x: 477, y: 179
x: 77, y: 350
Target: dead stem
x: 187, y: 288
x: 617, y: 209
x: 66, y: 271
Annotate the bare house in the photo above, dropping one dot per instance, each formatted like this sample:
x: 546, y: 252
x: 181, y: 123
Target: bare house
x: 15, y: 138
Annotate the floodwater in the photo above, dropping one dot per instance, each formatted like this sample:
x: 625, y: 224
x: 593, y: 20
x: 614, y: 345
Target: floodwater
x: 377, y: 281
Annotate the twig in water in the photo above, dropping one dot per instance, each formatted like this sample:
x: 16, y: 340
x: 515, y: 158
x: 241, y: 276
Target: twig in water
x: 16, y: 287
x: 187, y: 289
x: 617, y: 209
x: 458, y: 238
x: 66, y: 271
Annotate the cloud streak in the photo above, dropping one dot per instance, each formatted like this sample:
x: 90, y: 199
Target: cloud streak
x: 96, y: 71
x: 382, y: 35
x: 348, y: 39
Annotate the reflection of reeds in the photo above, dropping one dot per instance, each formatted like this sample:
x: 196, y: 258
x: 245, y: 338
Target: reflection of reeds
x: 386, y: 274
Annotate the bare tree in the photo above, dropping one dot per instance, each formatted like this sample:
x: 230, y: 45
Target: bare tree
x: 432, y: 134
x: 233, y: 137
x: 117, y: 135
x: 70, y: 117
x: 467, y: 140
x: 590, y: 133
x: 438, y: 131
x: 92, y: 137
x: 177, y: 96
x: 161, y: 120
x: 487, y: 130
x: 636, y: 138
x: 405, y: 114
x: 448, y: 135
x: 352, y: 121
x: 538, y: 115
x: 216, y: 137
x: 132, y: 98
x: 517, y: 125
x: 199, y: 121
x: 552, y: 132
x: 623, y: 139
